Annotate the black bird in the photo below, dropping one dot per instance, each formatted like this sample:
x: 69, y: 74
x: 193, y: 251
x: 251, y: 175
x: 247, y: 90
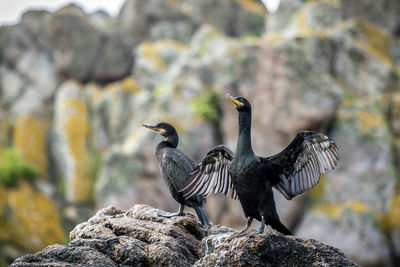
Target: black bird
x: 251, y: 178
x: 176, y: 167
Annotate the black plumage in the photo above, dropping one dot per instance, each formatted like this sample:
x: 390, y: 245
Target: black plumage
x: 175, y: 168
x: 250, y: 178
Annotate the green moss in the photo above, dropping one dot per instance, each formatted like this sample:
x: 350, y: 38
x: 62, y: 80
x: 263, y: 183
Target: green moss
x: 13, y: 168
x: 206, y: 106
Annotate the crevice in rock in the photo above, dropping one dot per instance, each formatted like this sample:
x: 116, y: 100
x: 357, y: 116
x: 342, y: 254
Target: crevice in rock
x: 391, y: 116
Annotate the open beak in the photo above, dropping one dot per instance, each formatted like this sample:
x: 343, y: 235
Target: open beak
x: 154, y: 128
x: 234, y: 101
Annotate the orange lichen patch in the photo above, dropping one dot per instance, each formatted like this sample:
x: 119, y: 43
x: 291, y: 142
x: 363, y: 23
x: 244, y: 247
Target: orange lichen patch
x: 375, y: 41
x: 32, y: 221
x: 130, y: 85
x: 76, y: 128
x: 253, y: 6
x: 151, y: 51
x: 30, y: 140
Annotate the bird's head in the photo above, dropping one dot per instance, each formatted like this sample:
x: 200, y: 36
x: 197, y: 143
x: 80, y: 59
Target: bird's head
x: 241, y: 103
x: 165, y: 129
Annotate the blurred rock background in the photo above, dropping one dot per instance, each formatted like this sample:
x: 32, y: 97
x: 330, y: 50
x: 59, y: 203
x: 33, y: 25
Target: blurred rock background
x: 75, y: 89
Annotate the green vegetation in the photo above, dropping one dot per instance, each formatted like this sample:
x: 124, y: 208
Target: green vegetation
x: 14, y: 168
x: 206, y: 106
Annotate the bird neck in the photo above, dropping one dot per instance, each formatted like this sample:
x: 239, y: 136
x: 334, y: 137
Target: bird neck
x: 168, y: 142
x: 243, y: 146
x: 172, y: 140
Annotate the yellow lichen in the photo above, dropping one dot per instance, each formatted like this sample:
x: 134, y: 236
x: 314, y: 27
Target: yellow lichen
x: 5, y: 126
x: 151, y: 51
x: 332, y: 210
x: 130, y: 85
x: 318, y: 191
x: 96, y: 93
x: 274, y: 39
x: 30, y: 140
x: 300, y: 27
x: 357, y: 206
x: 301, y: 22
x: 32, y: 221
x: 335, y: 210
x: 76, y: 128
x: 375, y: 41
x: 392, y: 218
x: 184, y: 9
x: 369, y: 120
x: 253, y: 6
x: 3, y: 197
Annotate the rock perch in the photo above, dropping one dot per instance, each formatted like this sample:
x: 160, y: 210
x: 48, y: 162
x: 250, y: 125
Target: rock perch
x: 138, y: 237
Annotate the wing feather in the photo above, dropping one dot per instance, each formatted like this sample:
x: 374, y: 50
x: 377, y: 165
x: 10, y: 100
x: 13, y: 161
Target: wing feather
x: 211, y: 175
x: 299, y: 166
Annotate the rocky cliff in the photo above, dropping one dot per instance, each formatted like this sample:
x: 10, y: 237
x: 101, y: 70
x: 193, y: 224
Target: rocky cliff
x: 75, y: 89
x: 138, y: 237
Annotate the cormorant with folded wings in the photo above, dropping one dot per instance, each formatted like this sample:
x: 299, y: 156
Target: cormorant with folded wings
x: 250, y: 178
x: 175, y: 168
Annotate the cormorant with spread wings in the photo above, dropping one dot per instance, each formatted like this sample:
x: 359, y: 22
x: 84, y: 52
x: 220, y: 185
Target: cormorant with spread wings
x: 250, y: 178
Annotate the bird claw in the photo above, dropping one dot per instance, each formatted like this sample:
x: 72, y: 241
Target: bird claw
x: 251, y: 235
x: 254, y: 234
x: 170, y: 216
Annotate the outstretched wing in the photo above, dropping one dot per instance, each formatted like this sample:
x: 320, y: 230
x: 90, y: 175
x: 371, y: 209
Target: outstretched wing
x: 301, y: 163
x: 211, y: 174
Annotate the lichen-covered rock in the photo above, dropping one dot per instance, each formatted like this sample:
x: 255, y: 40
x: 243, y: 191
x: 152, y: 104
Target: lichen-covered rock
x: 30, y: 139
x: 115, y: 109
x: 29, y: 221
x: 153, y: 60
x: 326, y: 65
x: 71, y: 130
x: 372, y: 11
x: 353, y: 80
x: 139, y: 237
x: 178, y: 19
x: 327, y: 12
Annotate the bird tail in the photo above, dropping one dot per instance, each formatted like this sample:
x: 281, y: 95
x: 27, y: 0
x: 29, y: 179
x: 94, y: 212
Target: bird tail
x: 202, y: 216
x: 278, y: 226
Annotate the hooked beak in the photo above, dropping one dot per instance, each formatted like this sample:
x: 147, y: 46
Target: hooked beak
x: 154, y: 128
x: 237, y: 103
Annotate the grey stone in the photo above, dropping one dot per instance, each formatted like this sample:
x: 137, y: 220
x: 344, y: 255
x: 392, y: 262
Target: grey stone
x: 140, y: 237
